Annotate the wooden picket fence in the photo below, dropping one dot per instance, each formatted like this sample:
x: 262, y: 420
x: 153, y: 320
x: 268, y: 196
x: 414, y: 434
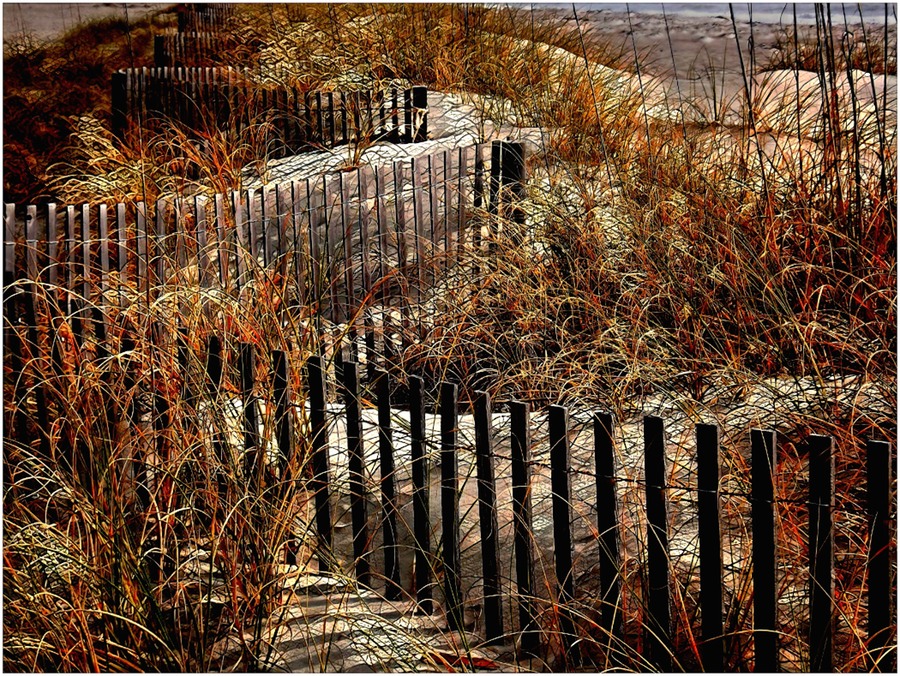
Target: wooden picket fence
x: 374, y: 233
x: 522, y: 591
x: 192, y: 50
x: 204, y: 17
x: 225, y: 98
x: 349, y: 240
x: 438, y: 574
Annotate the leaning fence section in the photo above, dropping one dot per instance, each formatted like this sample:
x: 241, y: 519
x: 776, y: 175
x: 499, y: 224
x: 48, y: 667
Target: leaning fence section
x: 474, y: 547
x: 287, y: 119
x: 358, y: 248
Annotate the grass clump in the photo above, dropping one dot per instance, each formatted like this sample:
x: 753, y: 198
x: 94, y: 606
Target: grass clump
x: 738, y: 270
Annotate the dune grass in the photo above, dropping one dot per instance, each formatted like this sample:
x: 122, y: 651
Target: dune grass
x: 738, y: 273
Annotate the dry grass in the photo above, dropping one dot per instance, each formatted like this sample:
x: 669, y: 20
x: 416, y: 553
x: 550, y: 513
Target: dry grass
x: 743, y: 274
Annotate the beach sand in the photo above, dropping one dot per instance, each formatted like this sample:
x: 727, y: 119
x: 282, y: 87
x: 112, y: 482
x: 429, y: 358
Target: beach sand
x: 48, y: 20
x: 702, y: 61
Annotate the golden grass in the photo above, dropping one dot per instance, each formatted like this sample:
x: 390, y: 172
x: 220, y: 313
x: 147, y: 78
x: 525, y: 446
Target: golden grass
x: 744, y: 274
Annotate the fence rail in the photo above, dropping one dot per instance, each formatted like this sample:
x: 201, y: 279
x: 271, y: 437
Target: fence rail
x: 286, y: 118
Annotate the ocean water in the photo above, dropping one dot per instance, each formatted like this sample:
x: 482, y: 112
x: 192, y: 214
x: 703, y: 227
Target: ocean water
x: 763, y: 12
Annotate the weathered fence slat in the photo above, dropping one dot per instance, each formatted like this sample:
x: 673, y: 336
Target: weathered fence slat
x: 11, y: 308
x: 364, y: 302
x: 448, y: 168
x: 221, y: 241
x: 393, y: 590
x: 710, y: 548
x: 183, y: 355
x: 316, y: 383
x: 103, y: 231
x: 562, y: 527
x: 31, y: 243
x: 763, y: 459
x: 462, y: 200
x: 421, y: 501
x: 346, y: 314
x: 40, y: 395
x: 282, y: 393
x: 85, y: 263
x: 241, y: 211
x: 821, y: 553
x: 402, y: 253
x: 200, y: 221
x: 450, y: 507
x: 143, y: 282
x: 608, y: 529
x: 658, y: 629
x: 74, y: 305
x: 160, y: 239
x: 432, y: 213
x: 418, y: 223
x: 53, y: 243
x: 357, y: 479
x: 269, y: 223
x: 882, y: 594
x: 520, y: 443
x: 253, y: 457
x: 487, y: 513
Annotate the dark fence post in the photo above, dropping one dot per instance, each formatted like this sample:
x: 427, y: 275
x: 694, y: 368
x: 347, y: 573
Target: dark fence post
x: 763, y: 462
x: 316, y: 383
x: 882, y: 594
x: 821, y: 553
x: 487, y: 514
x: 495, y: 177
x: 214, y: 372
x: 214, y: 368
x: 282, y: 391
x: 356, y: 467
x: 420, y: 103
x: 135, y: 413
x: 608, y: 528
x: 253, y: 458
x: 562, y: 527
x: 161, y: 56
x: 184, y: 366
x: 119, y: 121
x: 520, y: 443
x: 407, y: 134
x: 393, y: 590
x: 710, y: 533
x: 450, y: 508
x: 659, y: 629
x: 512, y: 172
x: 421, y: 506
